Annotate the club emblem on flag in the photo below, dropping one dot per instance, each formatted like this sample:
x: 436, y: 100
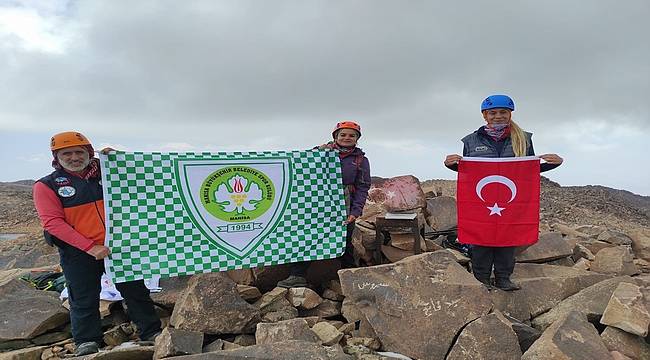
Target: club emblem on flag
x: 234, y: 203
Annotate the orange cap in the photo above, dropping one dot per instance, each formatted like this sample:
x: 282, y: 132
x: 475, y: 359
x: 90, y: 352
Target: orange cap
x: 346, y: 125
x: 68, y: 139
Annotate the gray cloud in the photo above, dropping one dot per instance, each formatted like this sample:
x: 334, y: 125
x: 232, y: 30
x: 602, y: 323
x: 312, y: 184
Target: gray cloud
x: 412, y: 71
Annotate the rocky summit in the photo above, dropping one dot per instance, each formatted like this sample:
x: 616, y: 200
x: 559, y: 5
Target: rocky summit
x: 585, y: 290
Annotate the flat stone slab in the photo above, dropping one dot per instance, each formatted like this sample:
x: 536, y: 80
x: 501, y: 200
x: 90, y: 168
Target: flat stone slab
x: 293, y: 329
x: 590, y: 301
x: 570, y: 337
x: 551, y: 246
x: 542, y: 288
x: 211, y: 304
x: 416, y: 306
x: 628, y: 344
x: 286, y: 350
x: 615, y: 260
x: 26, y: 313
x: 442, y: 212
x: 489, y: 337
x: 627, y: 310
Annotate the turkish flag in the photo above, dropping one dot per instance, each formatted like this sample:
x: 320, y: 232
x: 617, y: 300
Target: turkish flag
x: 498, y: 201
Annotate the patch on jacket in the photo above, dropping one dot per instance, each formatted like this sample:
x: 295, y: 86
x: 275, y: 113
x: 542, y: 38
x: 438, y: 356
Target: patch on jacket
x: 481, y: 148
x: 62, y: 181
x: 67, y: 191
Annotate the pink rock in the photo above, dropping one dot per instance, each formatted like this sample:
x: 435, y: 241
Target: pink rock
x: 398, y: 194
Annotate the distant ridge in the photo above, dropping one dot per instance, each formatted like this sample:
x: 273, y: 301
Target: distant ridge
x: 578, y: 205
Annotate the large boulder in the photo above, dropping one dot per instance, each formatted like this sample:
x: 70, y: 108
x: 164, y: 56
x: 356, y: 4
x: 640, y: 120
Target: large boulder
x: 571, y: 337
x: 526, y: 335
x: 542, y: 288
x: 30, y: 353
x: 274, y: 306
x: 26, y: 312
x: 172, y: 289
x: 326, y: 309
x: 595, y: 246
x: 581, y: 252
x: 627, y: 310
x: 211, y: 304
x: 353, y: 315
x: 293, y: 329
x: 363, y: 241
x: 591, y: 230
x: 175, y: 342
x: 590, y: 301
x: 327, y: 333
x: 641, y: 244
x: 489, y: 337
x: 8, y: 275
x: 417, y: 306
x: 400, y: 193
x: 442, y: 213
x: 614, y: 237
x: 303, y: 298
x: 286, y: 350
x: 615, y: 260
x: 124, y: 353
x: 267, y: 277
x: 628, y: 344
x: 568, y: 231
x: 551, y: 246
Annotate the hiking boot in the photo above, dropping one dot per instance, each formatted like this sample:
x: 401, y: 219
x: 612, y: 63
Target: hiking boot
x: 149, y: 340
x: 87, y: 348
x: 292, y: 282
x: 486, y: 282
x: 505, y: 284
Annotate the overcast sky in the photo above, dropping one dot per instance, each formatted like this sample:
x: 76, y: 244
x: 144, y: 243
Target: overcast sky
x: 264, y: 75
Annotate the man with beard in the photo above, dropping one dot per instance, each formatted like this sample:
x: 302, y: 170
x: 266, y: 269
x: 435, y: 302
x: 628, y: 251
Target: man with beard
x: 70, y: 206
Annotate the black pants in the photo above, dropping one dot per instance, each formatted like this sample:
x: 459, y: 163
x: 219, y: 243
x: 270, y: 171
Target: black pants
x: 347, y: 260
x: 83, y: 278
x: 486, y: 257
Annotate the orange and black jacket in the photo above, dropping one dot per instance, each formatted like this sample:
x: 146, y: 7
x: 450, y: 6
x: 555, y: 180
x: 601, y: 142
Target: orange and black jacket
x: 71, y: 209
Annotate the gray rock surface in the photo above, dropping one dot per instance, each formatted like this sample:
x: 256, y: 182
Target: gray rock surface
x: 175, y: 342
x: 286, y: 350
x: 418, y: 305
x: 628, y: 344
x: 293, y: 329
x: 26, y: 312
x: 615, y: 260
x: 570, y: 337
x: 627, y: 310
x: 590, y: 301
x: 551, y: 246
x: 489, y: 337
x: 211, y: 304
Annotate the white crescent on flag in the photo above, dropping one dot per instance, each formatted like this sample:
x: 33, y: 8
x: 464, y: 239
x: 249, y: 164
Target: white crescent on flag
x: 496, y: 179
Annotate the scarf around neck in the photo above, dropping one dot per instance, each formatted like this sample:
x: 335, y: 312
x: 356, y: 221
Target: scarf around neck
x: 497, y: 132
x: 343, y: 151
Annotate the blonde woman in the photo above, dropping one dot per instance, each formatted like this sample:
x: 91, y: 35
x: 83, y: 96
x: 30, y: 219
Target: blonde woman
x: 499, y: 137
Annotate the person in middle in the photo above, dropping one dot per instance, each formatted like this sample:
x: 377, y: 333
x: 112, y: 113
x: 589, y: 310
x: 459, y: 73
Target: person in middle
x: 356, y: 178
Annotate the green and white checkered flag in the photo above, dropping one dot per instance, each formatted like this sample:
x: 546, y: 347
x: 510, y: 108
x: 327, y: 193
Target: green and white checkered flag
x: 173, y: 214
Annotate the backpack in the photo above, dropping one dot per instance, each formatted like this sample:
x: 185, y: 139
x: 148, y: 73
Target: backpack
x: 46, y: 280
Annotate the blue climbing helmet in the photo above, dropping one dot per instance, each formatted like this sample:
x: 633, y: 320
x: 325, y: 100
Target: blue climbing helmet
x: 498, y: 101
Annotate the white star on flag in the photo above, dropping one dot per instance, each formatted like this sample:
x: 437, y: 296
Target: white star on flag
x: 495, y: 209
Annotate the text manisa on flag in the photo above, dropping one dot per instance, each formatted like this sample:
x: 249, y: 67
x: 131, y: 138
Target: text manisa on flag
x: 173, y: 214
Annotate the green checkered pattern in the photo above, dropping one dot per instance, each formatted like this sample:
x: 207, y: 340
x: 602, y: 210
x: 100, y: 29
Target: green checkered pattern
x: 150, y: 233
